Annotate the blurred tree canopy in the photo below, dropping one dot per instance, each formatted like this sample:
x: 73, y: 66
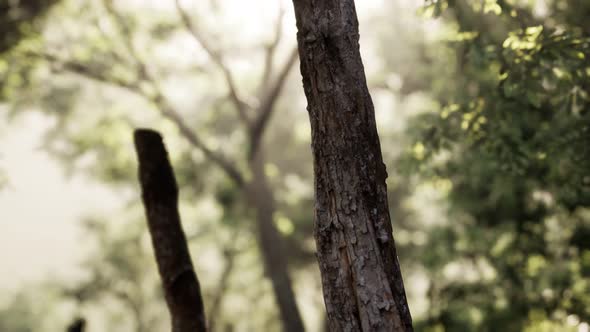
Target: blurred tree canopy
x: 20, y: 19
x: 482, y: 108
x: 509, y: 142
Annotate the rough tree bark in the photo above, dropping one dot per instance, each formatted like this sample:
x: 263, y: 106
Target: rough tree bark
x: 361, y: 276
x: 160, y: 198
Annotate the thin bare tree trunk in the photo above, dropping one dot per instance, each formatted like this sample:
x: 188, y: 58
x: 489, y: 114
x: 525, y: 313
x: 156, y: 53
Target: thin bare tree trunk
x: 271, y: 244
x: 160, y: 198
x: 361, y: 276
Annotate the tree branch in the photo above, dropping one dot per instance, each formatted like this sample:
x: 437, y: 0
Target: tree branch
x: 124, y: 29
x: 230, y: 257
x: 157, y: 98
x: 164, y: 105
x: 268, y: 103
x: 168, y: 112
x: 271, y: 48
x: 85, y: 71
x: 160, y: 199
x: 217, y: 57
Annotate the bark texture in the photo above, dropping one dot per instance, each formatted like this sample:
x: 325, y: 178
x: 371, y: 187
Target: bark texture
x: 160, y: 199
x: 361, y: 276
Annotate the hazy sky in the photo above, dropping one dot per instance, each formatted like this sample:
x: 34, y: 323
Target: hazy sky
x: 40, y: 209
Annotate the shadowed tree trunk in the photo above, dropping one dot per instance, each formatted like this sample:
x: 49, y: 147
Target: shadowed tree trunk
x: 272, y: 246
x: 361, y: 276
x: 160, y: 198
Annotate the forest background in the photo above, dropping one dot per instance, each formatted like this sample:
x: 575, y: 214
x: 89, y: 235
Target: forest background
x: 482, y: 111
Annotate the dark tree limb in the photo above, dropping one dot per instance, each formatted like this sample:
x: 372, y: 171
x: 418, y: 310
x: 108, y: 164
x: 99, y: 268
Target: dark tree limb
x: 160, y: 199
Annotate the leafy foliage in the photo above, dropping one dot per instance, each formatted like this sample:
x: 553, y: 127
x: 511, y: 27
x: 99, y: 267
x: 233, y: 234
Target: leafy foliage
x: 20, y: 20
x: 511, y: 138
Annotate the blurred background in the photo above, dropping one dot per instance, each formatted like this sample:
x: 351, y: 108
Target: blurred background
x: 482, y: 111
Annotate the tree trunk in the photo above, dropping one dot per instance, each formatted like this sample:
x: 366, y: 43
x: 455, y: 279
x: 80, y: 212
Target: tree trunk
x: 271, y: 245
x: 361, y: 276
x: 160, y: 198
